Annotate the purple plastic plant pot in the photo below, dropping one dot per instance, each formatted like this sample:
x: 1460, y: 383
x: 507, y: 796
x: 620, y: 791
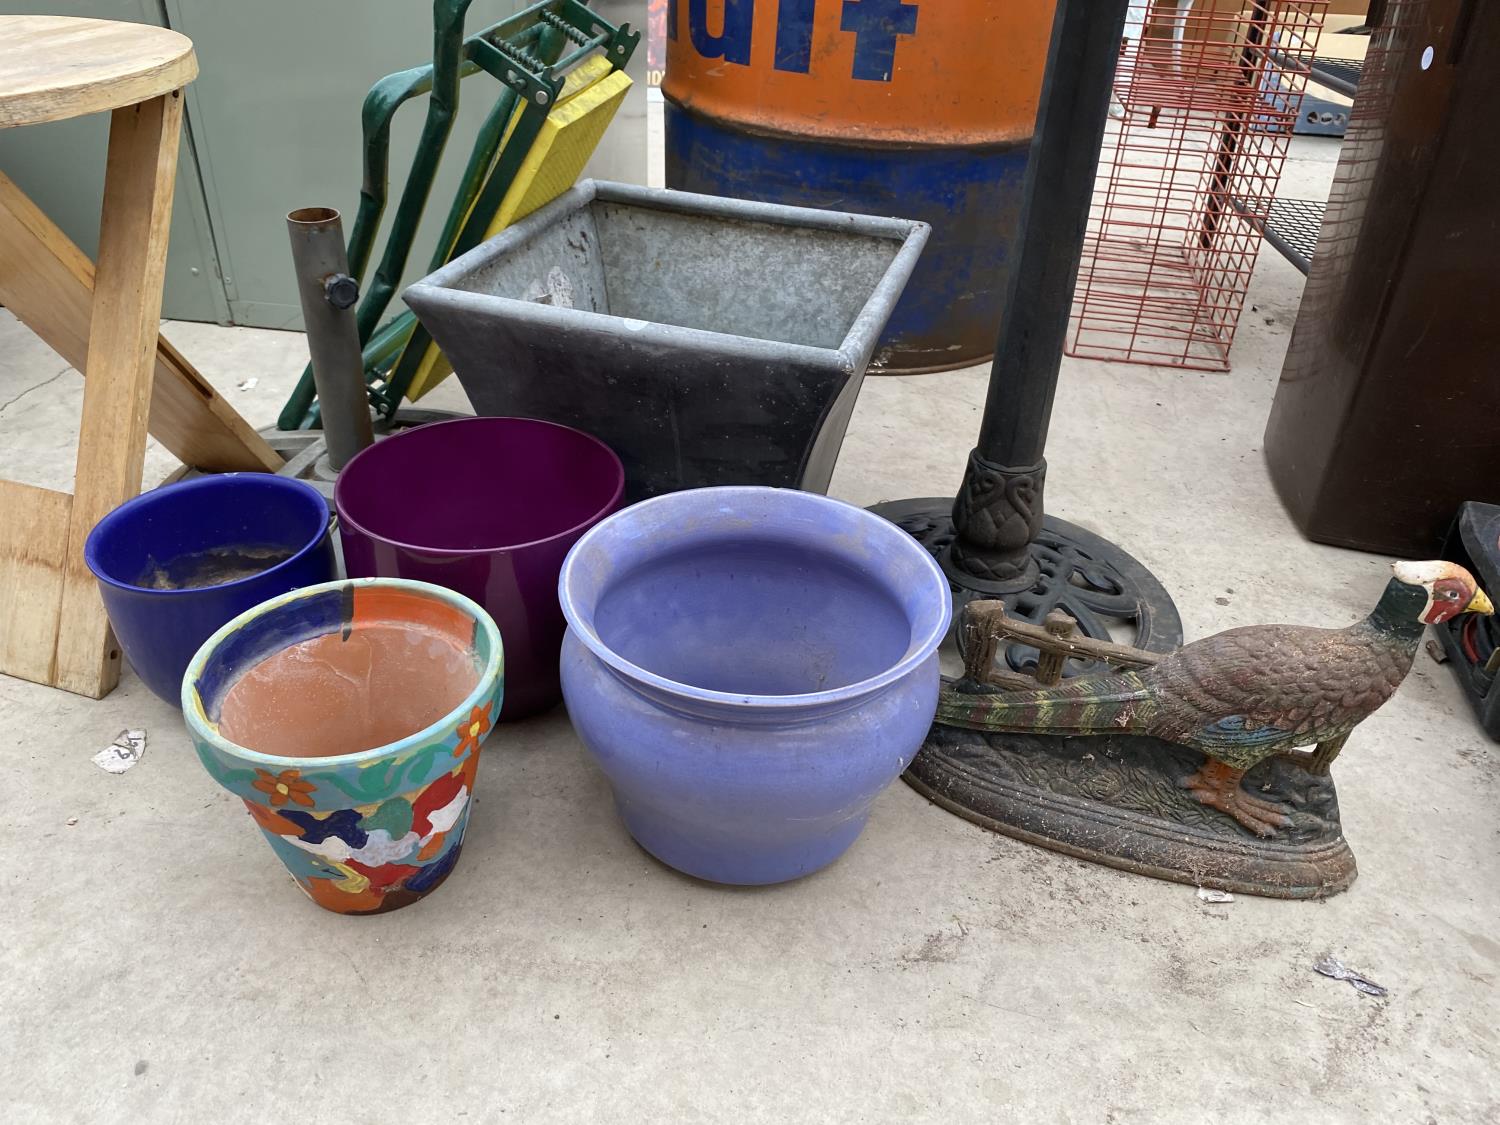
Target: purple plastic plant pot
x: 488, y: 507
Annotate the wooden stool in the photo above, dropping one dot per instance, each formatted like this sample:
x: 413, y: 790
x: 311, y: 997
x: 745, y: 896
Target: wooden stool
x: 103, y: 320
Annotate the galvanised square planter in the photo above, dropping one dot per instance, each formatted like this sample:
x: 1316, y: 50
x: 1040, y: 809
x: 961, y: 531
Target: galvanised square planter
x: 707, y: 341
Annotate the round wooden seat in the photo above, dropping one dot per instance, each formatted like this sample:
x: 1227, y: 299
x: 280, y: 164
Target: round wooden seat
x: 55, y: 67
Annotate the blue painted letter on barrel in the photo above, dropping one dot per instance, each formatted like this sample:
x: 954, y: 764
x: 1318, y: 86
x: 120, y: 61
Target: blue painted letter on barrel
x: 733, y: 43
x: 794, y: 23
x: 876, y: 24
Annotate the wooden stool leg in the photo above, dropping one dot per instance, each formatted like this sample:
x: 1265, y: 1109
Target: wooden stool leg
x: 48, y: 283
x: 138, y: 182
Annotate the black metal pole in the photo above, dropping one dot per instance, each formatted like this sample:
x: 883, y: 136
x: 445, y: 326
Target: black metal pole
x: 993, y: 539
x: 1059, y: 184
x: 997, y: 543
x: 998, y: 512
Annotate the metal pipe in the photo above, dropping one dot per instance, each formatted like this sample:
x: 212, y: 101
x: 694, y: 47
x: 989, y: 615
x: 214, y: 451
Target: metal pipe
x: 991, y: 540
x: 998, y: 512
x: 1059, y: 185
x: 328, y: 295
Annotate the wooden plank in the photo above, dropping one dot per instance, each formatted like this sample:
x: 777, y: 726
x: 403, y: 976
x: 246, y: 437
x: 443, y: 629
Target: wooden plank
x: 55, y: 67
x: 138, y: 182
x: 33, y: 553
x: 197, y: 423
x: 48, y: 283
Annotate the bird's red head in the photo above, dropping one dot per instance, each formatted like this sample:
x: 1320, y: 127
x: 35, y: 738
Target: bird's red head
x: 1451, y: 590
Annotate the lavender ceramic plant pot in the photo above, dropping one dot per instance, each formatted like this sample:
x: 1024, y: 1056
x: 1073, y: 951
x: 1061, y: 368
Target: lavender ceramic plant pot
x: 488, y: 507
x: 750, y: 667
x: 357, y: 757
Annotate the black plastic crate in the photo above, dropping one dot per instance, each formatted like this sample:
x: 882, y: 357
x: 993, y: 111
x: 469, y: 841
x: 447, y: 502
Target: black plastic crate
x: 1472, y: 640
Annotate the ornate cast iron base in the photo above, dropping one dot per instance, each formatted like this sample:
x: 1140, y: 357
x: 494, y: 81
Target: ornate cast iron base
x: 1075, y: 570
x: 1115, y: 799
x: 1118, y: 800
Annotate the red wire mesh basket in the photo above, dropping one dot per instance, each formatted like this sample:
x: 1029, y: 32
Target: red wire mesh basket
x: 1207, y: 95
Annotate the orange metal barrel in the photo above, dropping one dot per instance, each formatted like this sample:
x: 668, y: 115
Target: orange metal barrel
x: 918, y: 108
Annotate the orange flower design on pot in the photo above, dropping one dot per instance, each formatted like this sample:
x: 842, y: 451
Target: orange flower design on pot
x: 472, y: 730
x: 287, y: 785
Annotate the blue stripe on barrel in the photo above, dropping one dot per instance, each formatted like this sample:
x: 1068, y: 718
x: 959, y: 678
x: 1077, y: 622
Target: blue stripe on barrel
x: 971, y: 195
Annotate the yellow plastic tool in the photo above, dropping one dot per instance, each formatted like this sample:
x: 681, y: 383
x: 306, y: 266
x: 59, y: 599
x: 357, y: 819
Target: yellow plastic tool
x: 568, y: 137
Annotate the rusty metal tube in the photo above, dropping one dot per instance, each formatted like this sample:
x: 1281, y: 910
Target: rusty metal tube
x: 328, y: 295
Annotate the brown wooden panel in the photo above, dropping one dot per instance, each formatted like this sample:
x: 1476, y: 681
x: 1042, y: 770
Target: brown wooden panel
x: 138, y: 181
x: 33, y: 552
x: 1387, y: 416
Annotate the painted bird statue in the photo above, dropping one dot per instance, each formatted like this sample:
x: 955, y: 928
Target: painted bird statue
x: 1246, y: 694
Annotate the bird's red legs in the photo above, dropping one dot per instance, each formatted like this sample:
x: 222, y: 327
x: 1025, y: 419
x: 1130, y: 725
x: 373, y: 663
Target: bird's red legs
x: 1218, y: 786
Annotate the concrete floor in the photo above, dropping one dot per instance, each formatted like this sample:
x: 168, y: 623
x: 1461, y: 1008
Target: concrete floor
x: 157, y: 964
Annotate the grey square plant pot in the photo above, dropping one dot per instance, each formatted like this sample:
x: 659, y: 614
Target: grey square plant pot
x: 708, y: 341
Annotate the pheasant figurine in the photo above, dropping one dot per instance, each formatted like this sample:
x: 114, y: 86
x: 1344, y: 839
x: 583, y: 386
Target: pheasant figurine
x: 1246, y: 694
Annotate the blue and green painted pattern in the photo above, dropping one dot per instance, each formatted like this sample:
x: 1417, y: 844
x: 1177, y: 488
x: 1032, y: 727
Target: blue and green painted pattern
x: 367, y: 832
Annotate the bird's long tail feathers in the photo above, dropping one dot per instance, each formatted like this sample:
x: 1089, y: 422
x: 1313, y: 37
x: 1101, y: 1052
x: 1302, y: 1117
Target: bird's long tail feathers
x: 1089, y: 705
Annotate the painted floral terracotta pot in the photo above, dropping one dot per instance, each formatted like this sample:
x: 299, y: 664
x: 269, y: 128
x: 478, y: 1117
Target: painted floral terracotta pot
x: 750, y: 667
x: 348, y: 717
x: 488, y: 507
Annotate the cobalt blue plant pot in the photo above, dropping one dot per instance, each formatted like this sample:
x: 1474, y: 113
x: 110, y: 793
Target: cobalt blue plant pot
x: 141, y: 553
x: 750, y: 667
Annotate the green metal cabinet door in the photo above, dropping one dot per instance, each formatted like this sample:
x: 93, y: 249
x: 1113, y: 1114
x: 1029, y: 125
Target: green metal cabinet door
x: 276, y: 122
x: 276, y: 112
x: 273, y: 123
x: 61, y: 166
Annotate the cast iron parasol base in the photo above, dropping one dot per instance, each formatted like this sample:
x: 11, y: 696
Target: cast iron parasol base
x: 1003, y: 547
x: 1112, y: 799
x: 1118, y: 800
x: 1086, y: 576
